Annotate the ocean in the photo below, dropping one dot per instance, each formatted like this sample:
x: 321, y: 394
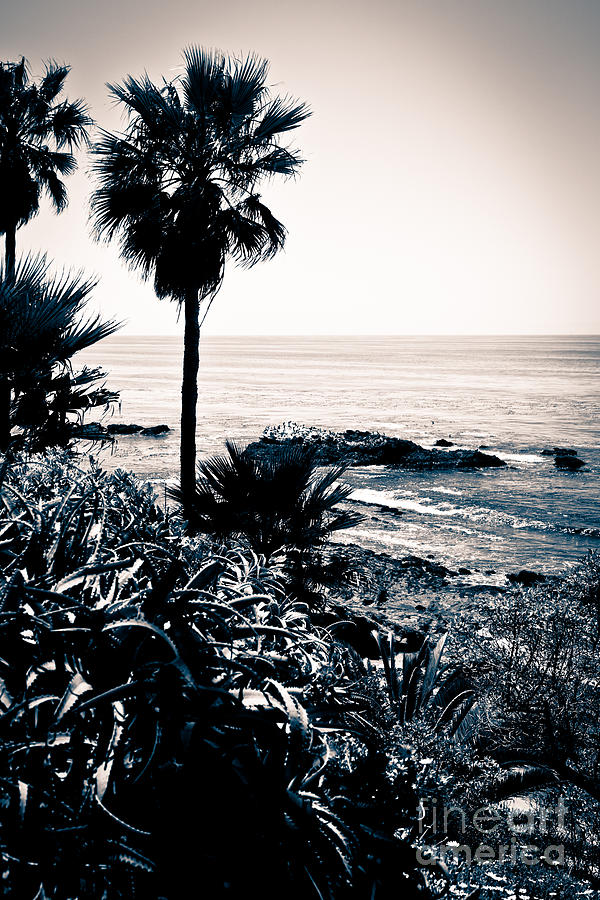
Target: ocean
x: 513, y: 395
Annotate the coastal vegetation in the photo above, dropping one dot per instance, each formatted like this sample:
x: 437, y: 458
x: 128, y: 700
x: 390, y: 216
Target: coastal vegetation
x: 169, y: 704
x: 186, y: 704
x: 41, y: 324
x: 168, y: 709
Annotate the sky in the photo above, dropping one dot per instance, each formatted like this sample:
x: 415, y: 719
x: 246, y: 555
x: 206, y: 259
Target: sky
x: 451, y: 182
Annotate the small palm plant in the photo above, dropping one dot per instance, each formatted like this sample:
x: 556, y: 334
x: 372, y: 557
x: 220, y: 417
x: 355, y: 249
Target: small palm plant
x: 43, y: 324
x: 281, y: 501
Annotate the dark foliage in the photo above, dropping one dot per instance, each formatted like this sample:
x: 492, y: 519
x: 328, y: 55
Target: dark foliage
x: 43, y: 324
x: 38, y: 132
x: 281, y: 501
x: 171, y: 719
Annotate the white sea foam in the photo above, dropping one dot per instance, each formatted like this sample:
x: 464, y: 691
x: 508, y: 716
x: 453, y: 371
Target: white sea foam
x: 388, y: 538
x: 443, y: 490
x: 385, y: 498
x: 520, y: 457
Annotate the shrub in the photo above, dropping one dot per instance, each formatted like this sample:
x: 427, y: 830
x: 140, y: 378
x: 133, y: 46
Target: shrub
x: 274, y: 502
x: 171, y: 721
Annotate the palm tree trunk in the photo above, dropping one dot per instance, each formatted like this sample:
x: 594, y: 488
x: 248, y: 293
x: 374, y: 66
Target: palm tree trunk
x: 10, y: 241
x: 189, y: 396
x: 5, y: 398
x: 10, y: 249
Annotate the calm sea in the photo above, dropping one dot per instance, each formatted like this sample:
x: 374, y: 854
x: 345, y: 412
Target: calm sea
x: 515, y: 395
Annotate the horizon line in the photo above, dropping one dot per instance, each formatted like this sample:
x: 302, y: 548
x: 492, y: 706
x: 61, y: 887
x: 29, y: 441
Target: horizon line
x: 569, y: 334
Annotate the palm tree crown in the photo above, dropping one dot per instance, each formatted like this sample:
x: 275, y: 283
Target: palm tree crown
x: 38, y: 133
x: 179, y: 187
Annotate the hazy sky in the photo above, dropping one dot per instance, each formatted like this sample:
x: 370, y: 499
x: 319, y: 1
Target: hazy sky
x: 452, y: 179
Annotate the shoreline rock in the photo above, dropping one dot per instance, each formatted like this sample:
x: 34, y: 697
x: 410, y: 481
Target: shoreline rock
x: 526, y: 578
x: 155, y: 430
x: 367, y: 448
x: 570, y: 462
x: 123, y: 429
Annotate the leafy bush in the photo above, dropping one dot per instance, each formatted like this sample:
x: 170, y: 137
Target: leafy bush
x: 531, y: 662
x: 171, y: 720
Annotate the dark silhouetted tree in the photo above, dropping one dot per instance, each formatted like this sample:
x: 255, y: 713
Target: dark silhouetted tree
x: 38, y: 133
x: 179, y: 188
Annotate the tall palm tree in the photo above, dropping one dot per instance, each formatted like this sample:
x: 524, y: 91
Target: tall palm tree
x: 43, y: 324
x: 179, y: 188
x: 38, y: 133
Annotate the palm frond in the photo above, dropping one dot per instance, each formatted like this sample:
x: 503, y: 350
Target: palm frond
x: 281, y: 115
x: 203, y: 78
x: 70, y: 122
x: 277, y: 502
x: 53, y: 81
x: 245, y: 85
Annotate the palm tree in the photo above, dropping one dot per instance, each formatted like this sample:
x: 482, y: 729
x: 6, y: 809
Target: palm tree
x: 281, y: 501
x: 38, y: 132
x: 42, y: 326
x: 179, y: 188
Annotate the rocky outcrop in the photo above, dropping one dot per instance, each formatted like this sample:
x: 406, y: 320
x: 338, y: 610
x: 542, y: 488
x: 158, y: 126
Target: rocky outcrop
x: 526, y: 578
x: 558, y: 451
x: 155, y: 430
x: 91, y: 431
x: 442, y: 442
x: 123, y: 428
x: 367, y: 448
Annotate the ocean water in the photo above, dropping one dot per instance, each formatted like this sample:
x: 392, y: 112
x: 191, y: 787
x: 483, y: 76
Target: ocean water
x: 514, y: 395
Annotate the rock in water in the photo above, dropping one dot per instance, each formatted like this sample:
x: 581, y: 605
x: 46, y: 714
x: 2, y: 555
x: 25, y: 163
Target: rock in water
x: 155, y: 430
x: 123, y: 428
x: 444, y: 443
x: 558, y: 451
x: 572, y: 463
x: 90, y: 431
x: 475, y: 459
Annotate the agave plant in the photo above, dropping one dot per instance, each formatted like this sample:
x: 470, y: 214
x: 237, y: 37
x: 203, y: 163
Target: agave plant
x: 43, y: 324
x: 153, y: 729
x: 419, y: 684
x: 282, y: 501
